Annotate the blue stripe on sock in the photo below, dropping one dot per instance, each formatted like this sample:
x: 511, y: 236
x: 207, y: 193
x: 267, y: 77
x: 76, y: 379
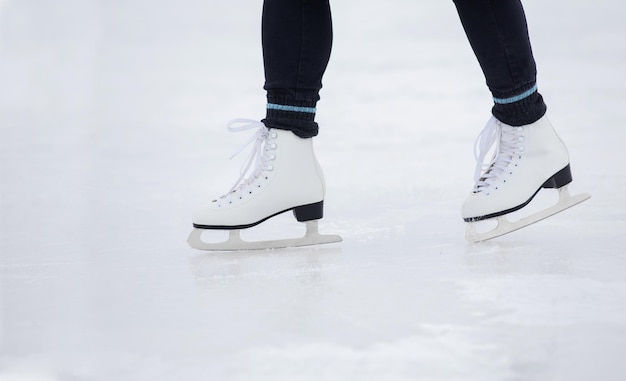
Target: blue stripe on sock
x: 516, y: 98
x: 274, y: 106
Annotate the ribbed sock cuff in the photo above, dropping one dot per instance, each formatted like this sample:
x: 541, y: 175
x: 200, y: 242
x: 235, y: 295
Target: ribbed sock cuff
x: 517, y: 110
x: 297, y: 118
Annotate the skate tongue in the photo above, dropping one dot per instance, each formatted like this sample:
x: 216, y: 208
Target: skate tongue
x: 252, y: 165
x: 502, y: 143
x: 487, y: 141
x: 487, y: 179
x: 484, y: 143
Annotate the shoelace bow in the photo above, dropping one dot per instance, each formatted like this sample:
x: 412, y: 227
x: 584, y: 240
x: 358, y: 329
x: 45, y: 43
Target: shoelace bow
x: 258, y: 159
x: 506, y: 145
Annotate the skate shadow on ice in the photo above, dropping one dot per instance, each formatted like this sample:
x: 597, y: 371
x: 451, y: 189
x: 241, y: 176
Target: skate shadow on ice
x: 305, y: 263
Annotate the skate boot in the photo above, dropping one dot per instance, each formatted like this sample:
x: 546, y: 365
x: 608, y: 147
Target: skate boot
x: 525, y: 160
x: 281, y: 175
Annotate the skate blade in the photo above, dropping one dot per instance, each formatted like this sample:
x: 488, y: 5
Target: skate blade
x: 234, y: 242
x: 505, y: 226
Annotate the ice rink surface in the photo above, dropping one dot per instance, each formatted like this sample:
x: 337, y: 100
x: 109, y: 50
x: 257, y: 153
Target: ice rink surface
x: 112, y: 126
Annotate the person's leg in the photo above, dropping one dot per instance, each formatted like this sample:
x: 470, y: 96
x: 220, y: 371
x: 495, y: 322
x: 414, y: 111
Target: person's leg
x: 529, y: 154
x: 282, y: 173
x: 498, y: 34
x: 297, y: 38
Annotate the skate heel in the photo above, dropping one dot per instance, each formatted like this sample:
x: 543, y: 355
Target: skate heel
x: 560, y: 179
x: 309, y: 212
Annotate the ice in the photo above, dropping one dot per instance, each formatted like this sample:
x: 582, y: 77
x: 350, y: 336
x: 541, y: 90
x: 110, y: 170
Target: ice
x: 112, y: 126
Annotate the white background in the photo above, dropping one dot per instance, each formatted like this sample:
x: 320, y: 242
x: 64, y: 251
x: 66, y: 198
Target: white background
x: 112, y: 118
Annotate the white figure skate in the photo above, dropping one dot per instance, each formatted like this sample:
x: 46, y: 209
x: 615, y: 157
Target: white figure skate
x: 281, y: 175
x: 525, y: 160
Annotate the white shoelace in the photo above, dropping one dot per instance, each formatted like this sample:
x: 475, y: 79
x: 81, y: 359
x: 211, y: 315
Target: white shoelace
x: 507, y: 144
x: 258, y: 160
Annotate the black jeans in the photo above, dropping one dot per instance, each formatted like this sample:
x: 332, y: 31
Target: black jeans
x: 297, y: 40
